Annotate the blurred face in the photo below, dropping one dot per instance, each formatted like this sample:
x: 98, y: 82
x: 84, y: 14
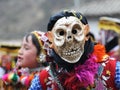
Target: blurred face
x: 27, y: 54
x: 6, y: 60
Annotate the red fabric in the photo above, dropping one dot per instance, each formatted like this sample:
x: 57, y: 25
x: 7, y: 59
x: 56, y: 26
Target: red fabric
x: 43, y: 78
x: 70, y: 81
x: 110, y: 66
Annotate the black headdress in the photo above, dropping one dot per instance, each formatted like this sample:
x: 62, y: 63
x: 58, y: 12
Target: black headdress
x: 66, y: 14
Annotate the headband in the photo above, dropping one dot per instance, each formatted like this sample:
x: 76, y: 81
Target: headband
x: 43, y: 42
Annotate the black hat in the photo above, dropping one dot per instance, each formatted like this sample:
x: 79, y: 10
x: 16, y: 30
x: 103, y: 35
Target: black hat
x: 54, y: 18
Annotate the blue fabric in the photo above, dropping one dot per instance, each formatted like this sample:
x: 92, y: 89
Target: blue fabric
x: 117, y: 76
x: 35, y: 84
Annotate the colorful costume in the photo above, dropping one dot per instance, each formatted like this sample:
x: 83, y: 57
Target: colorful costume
x: 77, y: 63
x: 19, y: 80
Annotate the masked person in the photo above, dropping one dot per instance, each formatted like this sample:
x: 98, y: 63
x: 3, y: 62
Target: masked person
x: 78, y: 63
x: 31, y: 58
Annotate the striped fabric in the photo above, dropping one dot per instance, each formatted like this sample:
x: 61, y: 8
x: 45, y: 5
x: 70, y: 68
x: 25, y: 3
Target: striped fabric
x: 117, y: 75
x: 35, y: 84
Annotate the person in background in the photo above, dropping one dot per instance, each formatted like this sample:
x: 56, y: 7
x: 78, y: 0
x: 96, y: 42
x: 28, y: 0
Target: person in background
x: 77, y: 62
x: 6, y: 62
x: 31, y: 59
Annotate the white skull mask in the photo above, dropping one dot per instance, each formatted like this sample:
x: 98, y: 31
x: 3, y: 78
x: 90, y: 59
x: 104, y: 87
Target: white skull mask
x: 69, y: 38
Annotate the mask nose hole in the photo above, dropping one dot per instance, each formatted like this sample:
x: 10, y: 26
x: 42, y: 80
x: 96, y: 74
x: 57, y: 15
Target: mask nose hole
x: 69, y: 37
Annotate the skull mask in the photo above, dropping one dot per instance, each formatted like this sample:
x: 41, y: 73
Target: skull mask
x: 69, y: 38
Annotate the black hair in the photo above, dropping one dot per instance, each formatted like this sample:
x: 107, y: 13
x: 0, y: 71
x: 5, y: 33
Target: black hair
x: 54, y: 18
x: 35, y: 42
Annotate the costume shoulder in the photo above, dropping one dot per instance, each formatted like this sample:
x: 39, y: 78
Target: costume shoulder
x: 108, y: 65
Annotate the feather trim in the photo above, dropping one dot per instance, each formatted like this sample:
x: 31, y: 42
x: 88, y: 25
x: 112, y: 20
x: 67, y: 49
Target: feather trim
x: 86, y: 72
x: 82, y: 77
x: 100, y: 53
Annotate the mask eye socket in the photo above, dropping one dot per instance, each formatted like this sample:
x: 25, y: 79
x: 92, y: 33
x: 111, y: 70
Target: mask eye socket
x: 60, y: 32
x: 76, y: 29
